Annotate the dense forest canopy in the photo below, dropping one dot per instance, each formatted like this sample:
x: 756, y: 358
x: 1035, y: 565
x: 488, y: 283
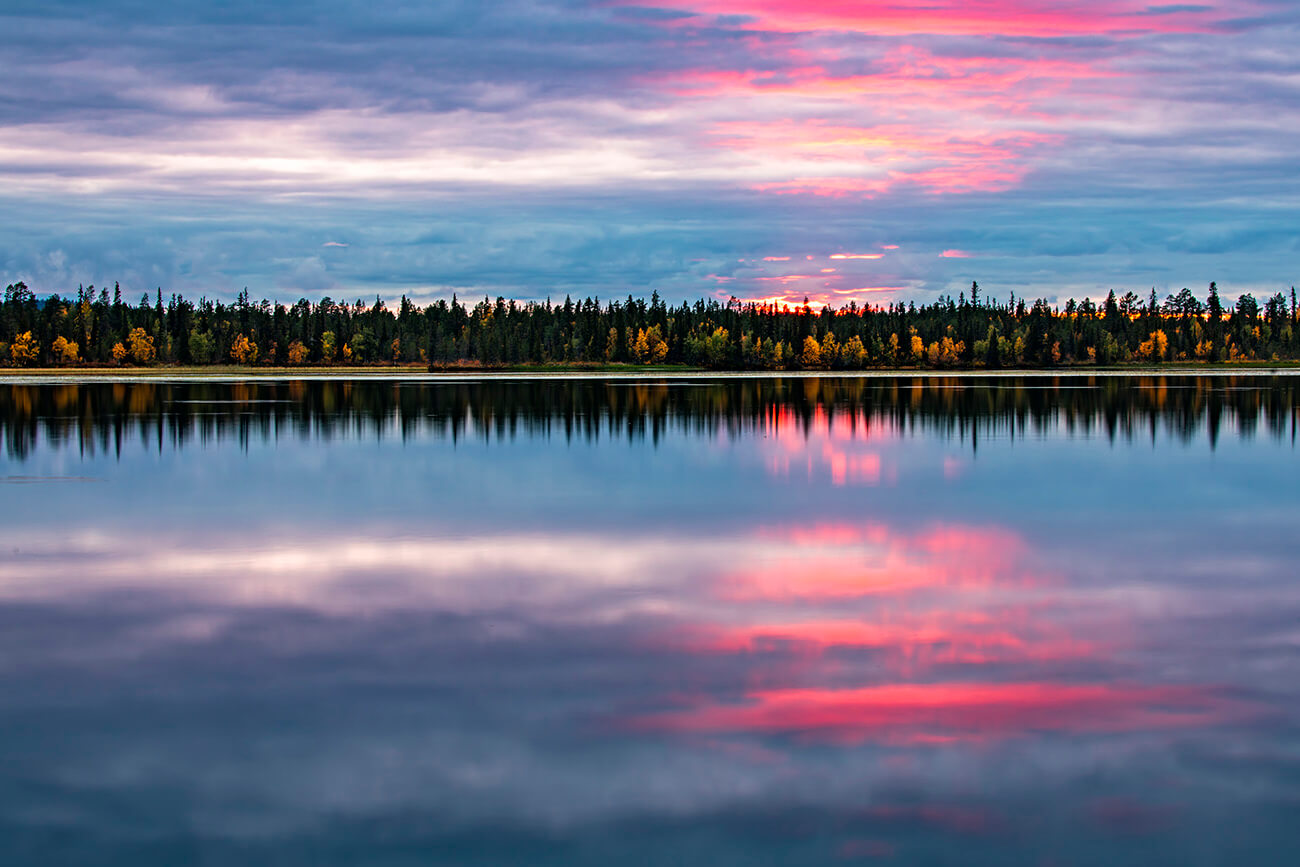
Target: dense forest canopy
x: 97, y: 327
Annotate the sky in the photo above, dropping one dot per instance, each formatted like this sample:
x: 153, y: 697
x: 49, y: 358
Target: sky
x: 763, y: 149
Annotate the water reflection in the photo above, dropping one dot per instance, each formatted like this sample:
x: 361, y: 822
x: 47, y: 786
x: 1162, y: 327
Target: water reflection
x: 100, y: 416
x: 770, y: 621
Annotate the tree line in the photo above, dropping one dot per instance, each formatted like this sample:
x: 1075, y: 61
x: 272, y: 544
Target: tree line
x: 96, y: 327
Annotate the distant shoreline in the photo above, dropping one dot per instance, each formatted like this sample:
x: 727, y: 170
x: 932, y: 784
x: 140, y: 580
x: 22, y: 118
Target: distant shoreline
x: 414, y: 373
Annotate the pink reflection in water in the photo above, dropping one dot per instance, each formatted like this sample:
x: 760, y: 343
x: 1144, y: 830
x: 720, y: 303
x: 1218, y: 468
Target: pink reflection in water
x: 843, y: 561
x: 951, y: 712
x: 843, y: 448
x: 908, y: 608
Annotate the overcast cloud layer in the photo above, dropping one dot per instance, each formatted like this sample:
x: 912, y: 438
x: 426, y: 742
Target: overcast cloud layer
x: 864, y: 151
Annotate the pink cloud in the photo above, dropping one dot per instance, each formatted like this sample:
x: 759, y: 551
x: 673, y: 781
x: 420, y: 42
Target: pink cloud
x: 788, y: 278
x: 1032, y: 18
x: 954, y: 254
x: 935, y: 161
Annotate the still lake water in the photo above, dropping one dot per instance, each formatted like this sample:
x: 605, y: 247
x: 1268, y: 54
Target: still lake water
x: 718, y: 621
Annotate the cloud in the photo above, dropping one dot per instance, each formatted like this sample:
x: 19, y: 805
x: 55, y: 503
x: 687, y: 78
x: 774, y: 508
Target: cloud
x: 309, y: 276
x: 592, y: 148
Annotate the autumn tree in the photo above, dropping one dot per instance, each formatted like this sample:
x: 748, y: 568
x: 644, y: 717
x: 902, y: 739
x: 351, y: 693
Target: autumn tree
x: 141, y: 346
x: 328, y: 346
x: 811, y: 356
x: 1154, y: 347
x: 853, y: 355
x: 830, y: 350
x: 65, y: 351
x: 243, y: 350
x: 25, y: 349
x: 650, y: 346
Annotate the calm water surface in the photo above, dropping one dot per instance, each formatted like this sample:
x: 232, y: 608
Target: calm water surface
x: 765, y: 621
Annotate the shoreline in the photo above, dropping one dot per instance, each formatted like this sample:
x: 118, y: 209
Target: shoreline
x: 75, y: 376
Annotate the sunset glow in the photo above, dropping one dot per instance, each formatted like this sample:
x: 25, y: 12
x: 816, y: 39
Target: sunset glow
x: 1036, y: 18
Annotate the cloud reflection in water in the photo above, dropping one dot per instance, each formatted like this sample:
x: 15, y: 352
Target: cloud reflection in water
x: 518, y: 665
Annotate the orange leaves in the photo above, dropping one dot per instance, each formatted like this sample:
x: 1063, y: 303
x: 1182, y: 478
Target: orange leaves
x: 65, y: 351
x: 1155, y: 347
x: 650, y: 346
x: 25, y: 349
x: 243, y: 350
x: 141, y: 346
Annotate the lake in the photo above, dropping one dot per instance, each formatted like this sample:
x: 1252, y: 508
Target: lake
x: 1048, y: 620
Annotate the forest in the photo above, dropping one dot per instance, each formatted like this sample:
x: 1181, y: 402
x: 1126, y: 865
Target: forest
x: 98, y: 328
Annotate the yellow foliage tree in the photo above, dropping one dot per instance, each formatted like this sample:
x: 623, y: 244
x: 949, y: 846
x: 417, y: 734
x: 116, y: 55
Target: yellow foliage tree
x: 25, y: 349
x: 812, y: 352
x: 141, y: 344
x: 853, y: 354
x: 347, y: 353
x: 396, y: 348
x: 86, y: 314
x: 243, y: 350
x: 1154, y: 347
x: 328, y: 346
x: 650, y: 346
x: 784, y: 354
x: 950, y: 351
x: 918, y: 348
x: 66, y: 351
x: 945, y: 352
x: 119, y: 352
x: 658, y: 346
x: 297, y: 352
x: 830, y: 349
